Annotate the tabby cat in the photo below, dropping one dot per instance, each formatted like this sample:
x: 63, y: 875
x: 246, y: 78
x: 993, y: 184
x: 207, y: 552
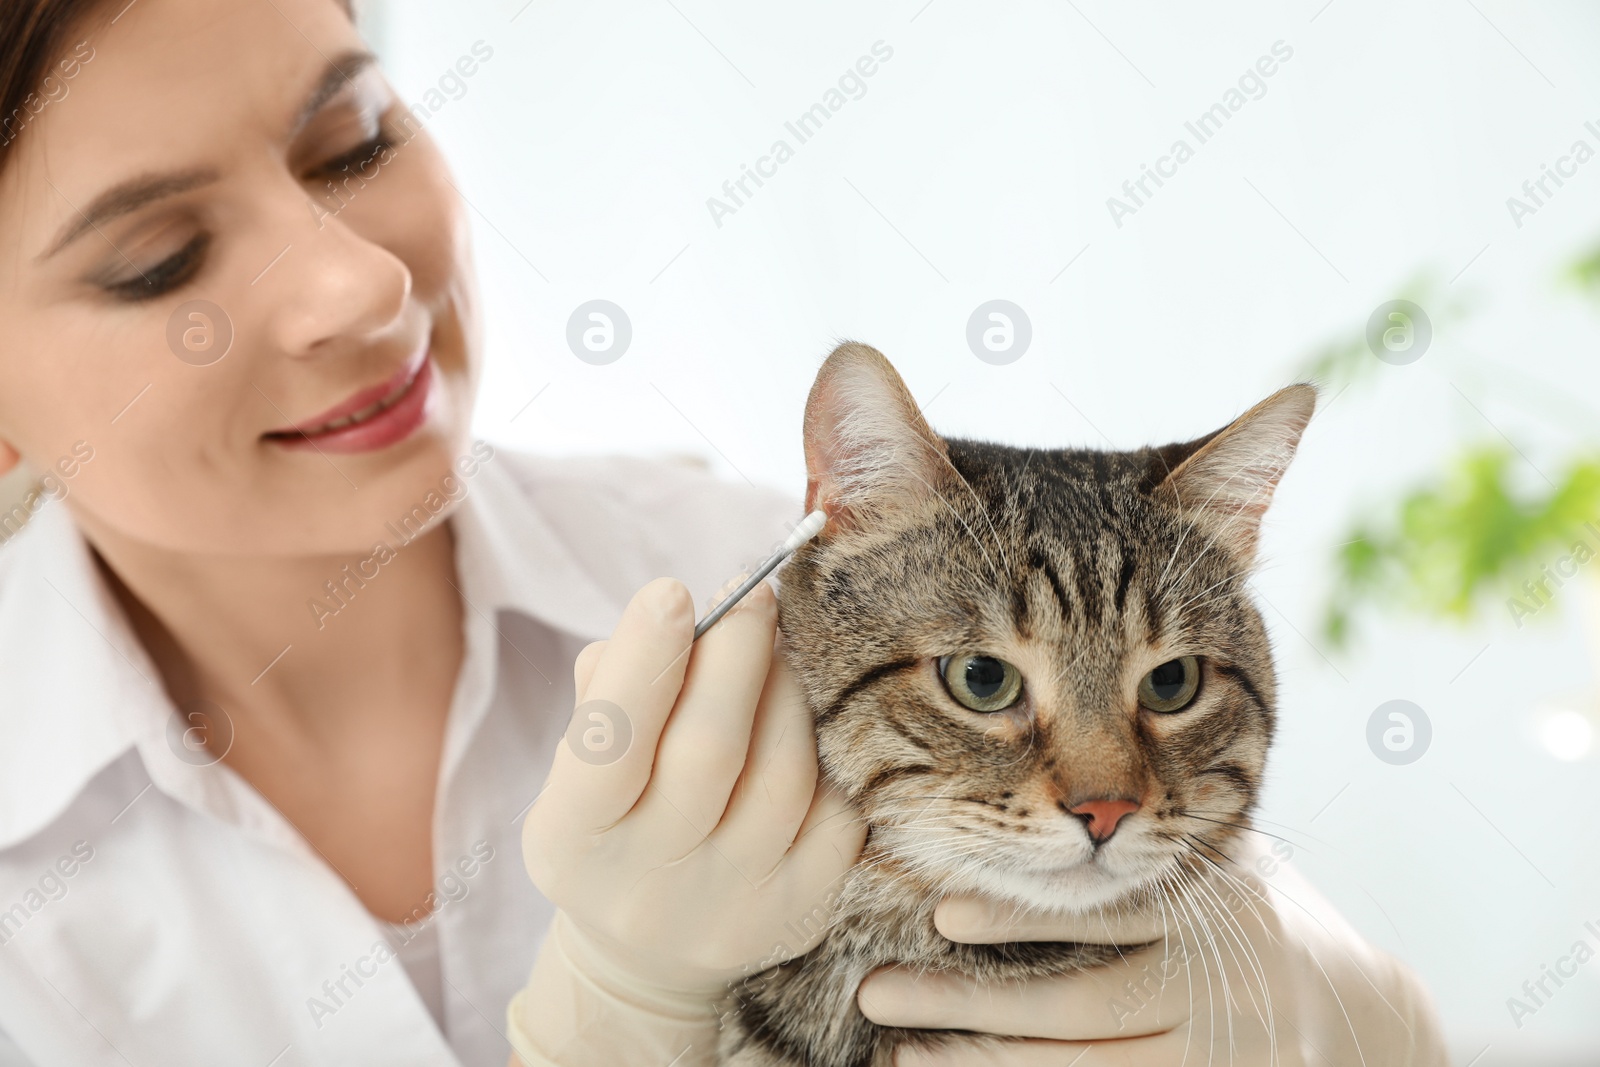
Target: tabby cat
x: 1037, y: 673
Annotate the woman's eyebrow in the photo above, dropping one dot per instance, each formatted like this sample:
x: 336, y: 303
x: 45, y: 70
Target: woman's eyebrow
x: 138, y: 191
x: 125, y: 197
x: 341, y: 69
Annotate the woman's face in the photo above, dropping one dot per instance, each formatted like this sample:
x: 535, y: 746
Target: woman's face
x: 203, y: 171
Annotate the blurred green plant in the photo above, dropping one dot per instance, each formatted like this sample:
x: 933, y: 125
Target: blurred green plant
x: 1586, y: 273
x: 1451, y: 546
x: 1346, y: 362
x: 1468, y: 537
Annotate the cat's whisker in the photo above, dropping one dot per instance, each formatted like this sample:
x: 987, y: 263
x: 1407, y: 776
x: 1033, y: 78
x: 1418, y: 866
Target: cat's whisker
x: 1166, y: 933
x: 1194, y: 841
x: 1202, y: 932
x: 1229, y: 579
x: 1247, y: 892
x: 1183, y: 535
x: 1264, y: 487
x: 1210, y: 546
x: 920, y: 817
x: 1194, y: 813
x: 1228, y: 998
x: 983, y: 509
x: 1170, y: 905
x: 1182, y: 901
x: 1346, y: 949
x: 943, y: 860
x: 927, y: 830
x: 1233, y: 929
x: 1287, y: 826
x: 1265, y: 1012
x: 1333, y: 988
x: 931, y: 800
x: 1243, y: 826
x: 1203, y: 606
x: 999, y: 581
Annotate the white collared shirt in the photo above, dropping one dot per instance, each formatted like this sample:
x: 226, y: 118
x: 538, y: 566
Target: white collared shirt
x: 154, y: 908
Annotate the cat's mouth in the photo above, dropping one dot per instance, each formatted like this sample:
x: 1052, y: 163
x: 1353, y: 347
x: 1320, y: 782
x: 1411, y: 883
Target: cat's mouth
x: 1094, y: 867
x: 1101, y: 878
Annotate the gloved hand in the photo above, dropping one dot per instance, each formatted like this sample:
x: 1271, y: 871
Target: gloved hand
x: 1245, y: 971
x: 704, y: 852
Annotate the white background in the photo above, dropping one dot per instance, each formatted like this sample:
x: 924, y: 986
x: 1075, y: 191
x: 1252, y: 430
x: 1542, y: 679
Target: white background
x: 977, y: 166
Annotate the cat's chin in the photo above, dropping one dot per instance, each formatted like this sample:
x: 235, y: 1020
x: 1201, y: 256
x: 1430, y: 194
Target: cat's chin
x: 1079, y: 887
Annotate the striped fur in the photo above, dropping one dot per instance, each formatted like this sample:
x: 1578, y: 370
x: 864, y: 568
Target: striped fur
x: 1085, y: 569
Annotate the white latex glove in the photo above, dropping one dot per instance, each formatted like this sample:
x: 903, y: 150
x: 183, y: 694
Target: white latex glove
x: 1250, y: 973
x: 706, y: 852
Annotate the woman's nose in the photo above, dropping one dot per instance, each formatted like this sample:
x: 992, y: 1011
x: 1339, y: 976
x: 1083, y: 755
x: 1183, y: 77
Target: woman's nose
x: 332, y: 284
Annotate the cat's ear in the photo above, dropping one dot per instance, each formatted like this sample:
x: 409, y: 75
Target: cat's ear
x: 1226, y: 478
x: 867, y: 446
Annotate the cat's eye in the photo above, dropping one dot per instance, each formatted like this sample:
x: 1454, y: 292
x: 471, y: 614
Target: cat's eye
x: 1171, y: 686
x: 982, y: 683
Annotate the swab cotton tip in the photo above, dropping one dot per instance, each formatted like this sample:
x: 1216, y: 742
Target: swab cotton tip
x: 809, y: 527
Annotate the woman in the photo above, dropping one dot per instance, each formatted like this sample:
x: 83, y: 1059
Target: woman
x: 286, y: 658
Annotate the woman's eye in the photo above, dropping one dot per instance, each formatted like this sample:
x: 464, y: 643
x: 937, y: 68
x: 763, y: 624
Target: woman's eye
x: 165, y: 276
x: 1171, y: 686
x: 982, y: 683
x: 357, y: 157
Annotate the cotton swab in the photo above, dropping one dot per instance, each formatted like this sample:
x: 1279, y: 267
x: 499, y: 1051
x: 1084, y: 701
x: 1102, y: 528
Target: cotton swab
x: 809, y: 527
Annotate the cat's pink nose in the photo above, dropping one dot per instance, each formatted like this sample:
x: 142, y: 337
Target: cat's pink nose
x: 1101, y: 816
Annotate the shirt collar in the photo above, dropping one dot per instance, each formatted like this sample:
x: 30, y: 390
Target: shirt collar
x: 78, y: 683
x: 79, y: 689
x: 510, y: 556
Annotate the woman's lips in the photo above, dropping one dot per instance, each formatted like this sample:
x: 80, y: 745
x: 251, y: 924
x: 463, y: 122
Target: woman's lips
x: 359, y: 401
x: 371, y: 419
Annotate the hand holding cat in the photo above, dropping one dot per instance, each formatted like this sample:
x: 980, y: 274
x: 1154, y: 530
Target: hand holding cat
x: 686, y: 860
x: 1254, y: 974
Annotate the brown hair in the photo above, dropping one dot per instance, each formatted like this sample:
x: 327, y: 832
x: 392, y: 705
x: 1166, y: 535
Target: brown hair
x: 34, y: 36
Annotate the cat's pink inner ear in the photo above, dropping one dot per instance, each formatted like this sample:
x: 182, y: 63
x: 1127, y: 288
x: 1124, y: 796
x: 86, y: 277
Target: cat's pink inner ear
x: 1229, y: 482
x: 823, y: 486
x: 867, y: 446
